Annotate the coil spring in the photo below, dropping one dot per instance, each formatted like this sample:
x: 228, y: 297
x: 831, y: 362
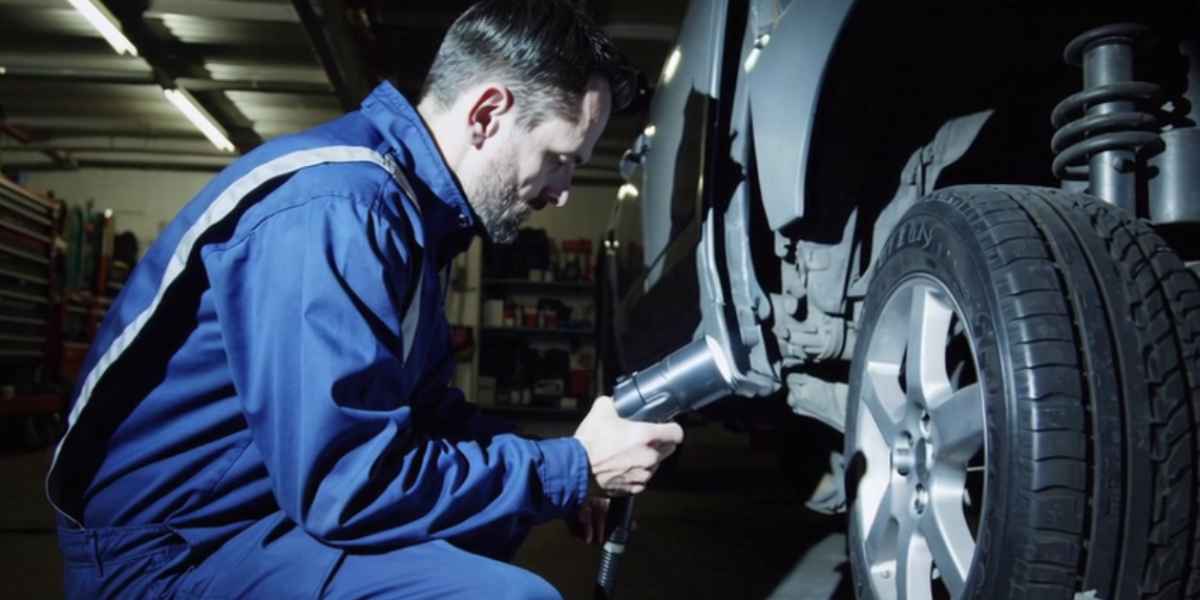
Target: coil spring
x: 1080, y: 135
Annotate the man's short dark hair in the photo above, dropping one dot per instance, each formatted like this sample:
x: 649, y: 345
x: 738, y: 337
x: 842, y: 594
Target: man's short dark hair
x: 544, y: 50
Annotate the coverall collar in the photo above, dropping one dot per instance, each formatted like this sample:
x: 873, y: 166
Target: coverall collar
x: 448, y: 219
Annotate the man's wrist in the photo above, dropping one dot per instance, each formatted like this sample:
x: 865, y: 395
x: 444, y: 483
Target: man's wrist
x: 565, y: 473
x: 593, y: 485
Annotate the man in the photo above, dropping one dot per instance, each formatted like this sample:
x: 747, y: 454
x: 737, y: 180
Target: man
x: 265, y: 412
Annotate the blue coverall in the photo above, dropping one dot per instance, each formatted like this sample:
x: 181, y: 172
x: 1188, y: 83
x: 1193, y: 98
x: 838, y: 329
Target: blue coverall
x: 265, y: 412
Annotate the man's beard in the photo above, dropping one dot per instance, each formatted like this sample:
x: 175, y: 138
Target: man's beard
x: 496, y: 200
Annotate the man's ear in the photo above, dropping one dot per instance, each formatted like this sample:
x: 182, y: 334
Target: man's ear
x: 493, y: 101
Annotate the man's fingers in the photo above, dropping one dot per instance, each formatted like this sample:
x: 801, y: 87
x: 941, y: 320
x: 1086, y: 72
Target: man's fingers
x: 604, y: 404
x: 669, y: 433
x: 643, y: 475
x: 664, y: 451
x: 639, y: 476
x: 645, y: 458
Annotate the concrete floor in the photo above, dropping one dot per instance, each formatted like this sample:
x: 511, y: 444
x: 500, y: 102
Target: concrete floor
x: 721, y: 521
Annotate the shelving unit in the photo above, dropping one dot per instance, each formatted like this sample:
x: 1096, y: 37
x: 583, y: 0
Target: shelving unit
x: 29, y: 324
x: 525, y: 285
x: 577, y: 293
x: 538, y: 332
x: 88, y: 295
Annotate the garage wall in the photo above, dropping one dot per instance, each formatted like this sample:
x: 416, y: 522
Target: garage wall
x: 144, y: 201
x: 585, y: 216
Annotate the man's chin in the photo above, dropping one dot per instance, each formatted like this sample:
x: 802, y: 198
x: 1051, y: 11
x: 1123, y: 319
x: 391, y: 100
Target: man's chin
x: 505, y: 233
x: 502, y: 226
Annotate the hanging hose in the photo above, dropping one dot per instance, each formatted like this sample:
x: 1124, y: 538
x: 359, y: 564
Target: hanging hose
x: 618, y: 529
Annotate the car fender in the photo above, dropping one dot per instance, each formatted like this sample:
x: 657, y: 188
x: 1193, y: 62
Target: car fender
x: 786, y: 77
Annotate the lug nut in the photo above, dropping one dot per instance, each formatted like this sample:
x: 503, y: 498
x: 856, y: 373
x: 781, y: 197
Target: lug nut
x: 920, y: 499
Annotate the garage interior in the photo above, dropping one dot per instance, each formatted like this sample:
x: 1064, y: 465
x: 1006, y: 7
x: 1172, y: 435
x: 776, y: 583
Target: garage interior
x: 115, y: 136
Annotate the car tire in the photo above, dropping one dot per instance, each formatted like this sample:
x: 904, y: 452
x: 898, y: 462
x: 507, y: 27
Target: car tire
x: 1024, y: 397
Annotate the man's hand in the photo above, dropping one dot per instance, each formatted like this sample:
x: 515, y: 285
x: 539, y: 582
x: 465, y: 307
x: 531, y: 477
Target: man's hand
x: 624, y: 454
x: 589, y: 523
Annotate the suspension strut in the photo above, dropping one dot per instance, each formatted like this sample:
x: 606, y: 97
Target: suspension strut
x: 1101, y: 130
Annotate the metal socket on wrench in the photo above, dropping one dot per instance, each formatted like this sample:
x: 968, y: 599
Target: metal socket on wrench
x: 687, y: 379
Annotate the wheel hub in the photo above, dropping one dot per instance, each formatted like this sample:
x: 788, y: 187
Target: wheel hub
x: 902, y: 455
x: 913, y: 454
x: 924, y: 457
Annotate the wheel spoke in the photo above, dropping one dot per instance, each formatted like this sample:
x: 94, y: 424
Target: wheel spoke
x: 948, y: 537
x: 883, y: 397
x: 928, y: 331
x: 879, y: 544
x: 914, y: 564
x: 881, y: 532
x: 958, y: 424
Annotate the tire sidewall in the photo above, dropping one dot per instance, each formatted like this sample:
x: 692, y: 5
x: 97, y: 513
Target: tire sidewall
x: 935, y: 240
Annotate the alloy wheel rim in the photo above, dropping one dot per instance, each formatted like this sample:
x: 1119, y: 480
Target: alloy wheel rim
x: 920, y: 426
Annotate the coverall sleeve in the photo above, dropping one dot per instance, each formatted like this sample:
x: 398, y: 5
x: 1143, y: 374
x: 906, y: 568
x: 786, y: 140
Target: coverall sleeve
x: 465, y: 420
x: 311, y: 305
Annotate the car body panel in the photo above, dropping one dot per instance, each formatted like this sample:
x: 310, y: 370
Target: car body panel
x: 798, y: 47
x: 673, y: 142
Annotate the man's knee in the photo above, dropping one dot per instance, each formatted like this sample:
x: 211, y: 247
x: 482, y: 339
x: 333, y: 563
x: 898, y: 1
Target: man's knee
x: 434, y: 571
x: 506, y: 582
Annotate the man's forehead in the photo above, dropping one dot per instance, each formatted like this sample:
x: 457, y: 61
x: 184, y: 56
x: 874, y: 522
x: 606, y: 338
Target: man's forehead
x: 574, y: 134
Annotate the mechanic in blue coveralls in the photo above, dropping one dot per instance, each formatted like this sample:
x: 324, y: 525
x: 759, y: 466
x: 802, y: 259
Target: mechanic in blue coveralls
x: 265, y: 412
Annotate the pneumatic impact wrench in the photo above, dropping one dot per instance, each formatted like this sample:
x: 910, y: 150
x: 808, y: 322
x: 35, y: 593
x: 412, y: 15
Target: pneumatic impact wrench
x: 686, y: 379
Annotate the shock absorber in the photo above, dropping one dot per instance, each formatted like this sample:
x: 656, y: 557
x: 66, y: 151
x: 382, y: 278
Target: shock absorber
x: 1101, y: 129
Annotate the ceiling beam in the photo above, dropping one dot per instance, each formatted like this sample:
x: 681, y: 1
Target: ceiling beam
x: 437, y: 21
x: 51, y: 133
x: 126, y: 145
x: 265, y: 12
x: 61, y: 157
x: 195, y: 84
x: 167, y: 69
x: 142, y: 165
x: 641, y: 31
x: 329, y: 32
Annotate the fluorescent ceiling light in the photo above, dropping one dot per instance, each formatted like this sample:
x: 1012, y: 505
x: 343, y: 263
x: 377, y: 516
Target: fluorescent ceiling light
x: 672, y: 65
x: 104, y: 22
x: 194, y: 113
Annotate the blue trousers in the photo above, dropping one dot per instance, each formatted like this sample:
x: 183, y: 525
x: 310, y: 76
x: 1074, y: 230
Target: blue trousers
x: 273, y: 558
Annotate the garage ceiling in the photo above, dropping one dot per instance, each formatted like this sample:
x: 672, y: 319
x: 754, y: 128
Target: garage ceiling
x: 260, y: 68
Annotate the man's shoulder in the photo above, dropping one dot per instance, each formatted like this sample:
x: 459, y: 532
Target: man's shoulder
x: 361, y: 181
x: 338, y: 166
x: 350, y: 196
